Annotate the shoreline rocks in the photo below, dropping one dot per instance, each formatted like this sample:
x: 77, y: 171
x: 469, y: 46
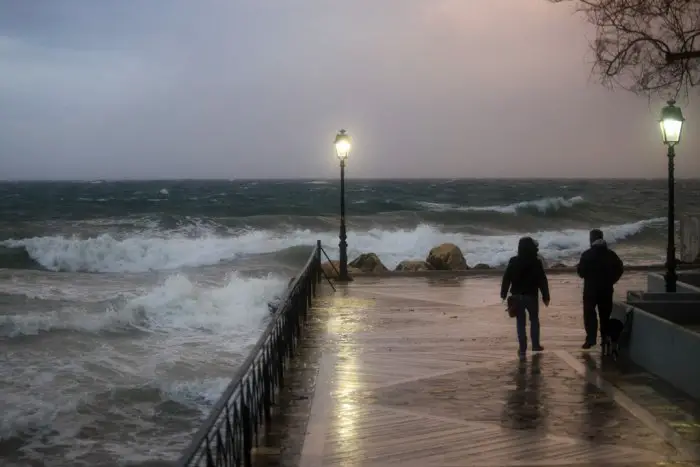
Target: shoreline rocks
x: 443, y: 257
x: 447, y: 257
x: 368, y: 262
x: 414, y: 265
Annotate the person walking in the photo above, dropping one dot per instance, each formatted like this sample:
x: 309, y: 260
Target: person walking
x: 600, y: 268
x: 524, y: 277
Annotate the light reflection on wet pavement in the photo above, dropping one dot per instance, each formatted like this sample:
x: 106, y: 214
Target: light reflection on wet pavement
x: 424, y: 372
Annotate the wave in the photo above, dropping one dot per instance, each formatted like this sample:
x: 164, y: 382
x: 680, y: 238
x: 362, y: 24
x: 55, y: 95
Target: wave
x: 494, y: 250
x: 542, y: 206
x: 176, y: 304
x: 196, y: 334
x: 143, y: 253
x: 27, y: 415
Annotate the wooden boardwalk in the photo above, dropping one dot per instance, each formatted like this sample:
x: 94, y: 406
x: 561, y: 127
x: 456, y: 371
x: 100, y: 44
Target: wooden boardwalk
x: 420, y: 372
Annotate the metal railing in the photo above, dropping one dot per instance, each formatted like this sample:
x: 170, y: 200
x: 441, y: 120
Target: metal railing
x: 233, y: 428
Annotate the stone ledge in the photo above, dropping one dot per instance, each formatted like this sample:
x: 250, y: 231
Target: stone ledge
x: 499, y: 271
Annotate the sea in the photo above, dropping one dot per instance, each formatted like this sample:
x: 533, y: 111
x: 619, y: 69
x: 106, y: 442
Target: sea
x: 125, y: 307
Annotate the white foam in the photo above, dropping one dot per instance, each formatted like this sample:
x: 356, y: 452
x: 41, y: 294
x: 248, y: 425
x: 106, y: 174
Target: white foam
x: 395, y: 246
x: 182, y: 304
x: 29, y: 408
x: 192, y: 329
x: 177, y: 304
x: 543, y: 205
x: 145, y: 252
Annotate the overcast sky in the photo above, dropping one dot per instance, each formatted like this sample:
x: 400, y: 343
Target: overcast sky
x: 257, y: 88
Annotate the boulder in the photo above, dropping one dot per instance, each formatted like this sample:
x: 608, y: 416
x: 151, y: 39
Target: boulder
x: 447, y: 257
x: 482, y: 266
x: 414, y: 265
x: 332, y: 270
x: 368, y: 262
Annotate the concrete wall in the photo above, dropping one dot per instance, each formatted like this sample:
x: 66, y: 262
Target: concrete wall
x: 682, y: 312
x: 657, y: 284
x: 663, y: 347
x: 690, y: 277
x: 637, y: 295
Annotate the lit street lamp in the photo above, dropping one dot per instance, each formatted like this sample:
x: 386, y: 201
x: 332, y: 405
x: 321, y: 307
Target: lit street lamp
x: 342, y: 149
x: 671, y: 126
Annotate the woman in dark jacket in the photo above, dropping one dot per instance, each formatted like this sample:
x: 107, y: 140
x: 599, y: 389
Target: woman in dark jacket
x: 525, y: 277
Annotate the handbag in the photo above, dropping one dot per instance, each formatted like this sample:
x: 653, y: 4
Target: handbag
x: 512, y: 304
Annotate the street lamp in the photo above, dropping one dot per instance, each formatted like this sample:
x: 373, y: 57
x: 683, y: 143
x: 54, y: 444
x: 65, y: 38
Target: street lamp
x: 671, y: 126
x: 342, y: 148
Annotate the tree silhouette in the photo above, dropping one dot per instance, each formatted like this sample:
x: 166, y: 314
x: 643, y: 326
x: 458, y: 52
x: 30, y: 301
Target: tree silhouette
x: 645, y: 46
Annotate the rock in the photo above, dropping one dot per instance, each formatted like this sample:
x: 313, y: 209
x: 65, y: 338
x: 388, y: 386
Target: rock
x: 482, y: 266
x: 544, y: 263
x: 332, y: 270
x: 447, y: 257
x: 368, y: 262
x: 414, y: 265
x: 558, y: 265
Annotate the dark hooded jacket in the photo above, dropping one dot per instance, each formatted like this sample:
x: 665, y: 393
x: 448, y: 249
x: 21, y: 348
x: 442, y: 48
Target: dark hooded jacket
x: 525, y: 274
x: 600, y: 268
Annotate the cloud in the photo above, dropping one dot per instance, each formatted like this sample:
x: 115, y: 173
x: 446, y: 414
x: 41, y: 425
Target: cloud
x: 258, y: 89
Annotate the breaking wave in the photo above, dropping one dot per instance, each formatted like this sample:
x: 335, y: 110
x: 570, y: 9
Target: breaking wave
x: 143, y: 252
x: 542, y: 206
x: 176, y: 304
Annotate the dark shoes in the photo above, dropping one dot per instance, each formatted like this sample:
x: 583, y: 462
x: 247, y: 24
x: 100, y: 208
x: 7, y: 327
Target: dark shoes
x: 588, y: 345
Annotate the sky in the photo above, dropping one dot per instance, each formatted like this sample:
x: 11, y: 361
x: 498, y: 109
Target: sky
x: 116, y: 89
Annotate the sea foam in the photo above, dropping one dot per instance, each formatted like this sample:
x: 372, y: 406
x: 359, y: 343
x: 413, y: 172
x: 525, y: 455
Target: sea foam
x: 144, y: 252
x: 176, y: 304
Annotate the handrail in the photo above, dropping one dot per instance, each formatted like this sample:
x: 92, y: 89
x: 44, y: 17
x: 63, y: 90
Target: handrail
x: 227, y: 437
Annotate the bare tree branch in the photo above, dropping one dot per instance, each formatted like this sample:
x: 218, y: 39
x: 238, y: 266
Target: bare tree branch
x: 635, y: 38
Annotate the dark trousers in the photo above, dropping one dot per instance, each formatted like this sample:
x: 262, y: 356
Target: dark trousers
x: 532, y: 305
x: 603, y: 302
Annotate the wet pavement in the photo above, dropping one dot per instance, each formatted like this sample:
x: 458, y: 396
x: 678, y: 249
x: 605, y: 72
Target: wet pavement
x: 424, y: 372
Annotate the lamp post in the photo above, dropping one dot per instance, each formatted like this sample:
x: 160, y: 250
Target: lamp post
x: 671, y: 125
x: 342, y: 148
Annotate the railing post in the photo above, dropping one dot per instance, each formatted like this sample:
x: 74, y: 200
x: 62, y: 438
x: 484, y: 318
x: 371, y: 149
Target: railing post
x: 230, y: 450
x: 247, y: 430
x: 319, y: 270
x: 311, y: 279
x: 210, y: 458
x: 267, y: 389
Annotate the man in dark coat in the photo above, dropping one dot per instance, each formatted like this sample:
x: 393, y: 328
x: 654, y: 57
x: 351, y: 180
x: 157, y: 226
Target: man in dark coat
x: 600, y: 268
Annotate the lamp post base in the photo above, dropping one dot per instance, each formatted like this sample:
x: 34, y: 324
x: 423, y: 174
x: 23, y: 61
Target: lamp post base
x: 671, y: 279
x: 343, y: 275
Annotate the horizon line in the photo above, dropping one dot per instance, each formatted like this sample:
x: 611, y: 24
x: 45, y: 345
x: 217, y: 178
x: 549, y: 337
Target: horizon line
x: 303, y: 179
